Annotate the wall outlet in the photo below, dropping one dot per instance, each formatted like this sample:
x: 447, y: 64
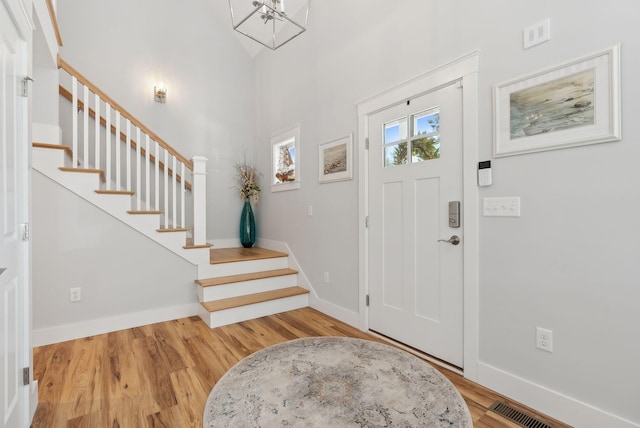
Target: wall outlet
x: 325, y: 277
x: 544, y: 339
x: 75, y: 294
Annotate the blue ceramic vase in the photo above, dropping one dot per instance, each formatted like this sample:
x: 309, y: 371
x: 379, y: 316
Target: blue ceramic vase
x: 247, y: 226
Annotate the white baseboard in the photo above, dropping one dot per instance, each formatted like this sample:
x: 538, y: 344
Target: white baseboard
x: 283, y: 247
x: 62, y: 333
x: 331, y: 309
x: 337, y: 312
x: 545, y: 400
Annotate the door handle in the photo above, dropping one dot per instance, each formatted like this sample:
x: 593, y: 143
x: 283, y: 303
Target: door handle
x: 454, y: 240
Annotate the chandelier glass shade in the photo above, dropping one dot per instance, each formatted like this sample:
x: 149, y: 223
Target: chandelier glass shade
x: 268, y: 22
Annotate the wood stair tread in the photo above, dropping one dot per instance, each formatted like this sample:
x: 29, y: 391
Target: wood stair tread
x: 143, y: 212
x: 66, y: 149
x: 177, y: 229
x: 229, y: 255
x: 221, y: 280
x: 115, y: 192
x: 85, y: 171
x: 250, y: 299
x: 195, y: 247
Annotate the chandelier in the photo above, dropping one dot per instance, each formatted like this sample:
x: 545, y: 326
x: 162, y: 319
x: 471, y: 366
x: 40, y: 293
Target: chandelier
x: 267, y: 22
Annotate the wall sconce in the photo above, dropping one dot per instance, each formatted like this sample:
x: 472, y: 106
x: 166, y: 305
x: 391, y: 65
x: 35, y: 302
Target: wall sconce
x: 160, y: 93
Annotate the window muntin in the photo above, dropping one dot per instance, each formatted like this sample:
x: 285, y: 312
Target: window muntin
x: 423, y: 142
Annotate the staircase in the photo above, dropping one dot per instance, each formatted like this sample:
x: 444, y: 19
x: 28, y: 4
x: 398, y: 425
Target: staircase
x: 144, y: 185
x: 248, y: 283
x: 52, y: 160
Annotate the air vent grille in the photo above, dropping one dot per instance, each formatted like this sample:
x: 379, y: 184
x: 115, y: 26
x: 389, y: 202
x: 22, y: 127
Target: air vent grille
x: 516, y: 416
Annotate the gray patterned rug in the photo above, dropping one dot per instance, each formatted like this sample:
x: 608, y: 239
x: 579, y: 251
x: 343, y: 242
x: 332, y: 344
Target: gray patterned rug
x: 334, y: 382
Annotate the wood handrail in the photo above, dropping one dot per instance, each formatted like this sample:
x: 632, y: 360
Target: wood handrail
x: 123, y: 137
x: 72, y: 71
x: 54, y: 21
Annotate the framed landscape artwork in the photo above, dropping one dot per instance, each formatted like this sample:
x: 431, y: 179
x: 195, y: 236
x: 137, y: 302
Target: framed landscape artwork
x: 574, y: 104
x: 336, y: 160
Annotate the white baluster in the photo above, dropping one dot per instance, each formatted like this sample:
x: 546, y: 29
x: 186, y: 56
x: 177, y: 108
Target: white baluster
x: 96, y: 157
x: 118, y: 143
x: 138, y: 154
x: 175, y: 192
x: 157, y: 179
x: 147, y: 173
x: 127, y: 149
x: 166, y: 188
x: 85, y: 127
x: 107, y: 113
x: 182, y: 195
x: 74, y: 122
x: 199, y: 195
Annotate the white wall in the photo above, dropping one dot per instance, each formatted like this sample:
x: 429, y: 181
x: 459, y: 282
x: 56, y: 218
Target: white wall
x: 125, y: 278
x: 127, y: 47
x: 567, y: 264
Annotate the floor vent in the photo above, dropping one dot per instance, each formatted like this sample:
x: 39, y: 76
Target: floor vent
x: 516, y: 416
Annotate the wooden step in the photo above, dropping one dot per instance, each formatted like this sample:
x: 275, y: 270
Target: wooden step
x: 212, y: 282
x: 178, y: 229
x: 143, y: 212
x: 85, y: 171
x: 66, y: 149
x: 191, y: 246
x: 250, y: 299
x: 230, y: 255
x: 115, y: 192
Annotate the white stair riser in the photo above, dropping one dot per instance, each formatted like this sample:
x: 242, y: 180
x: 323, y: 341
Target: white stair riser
x: 237, y: 268
x: 116, y: 203
x: 207, y: 294
x: 47, y: 158
x: 248, y: 312
x: 78, y: 182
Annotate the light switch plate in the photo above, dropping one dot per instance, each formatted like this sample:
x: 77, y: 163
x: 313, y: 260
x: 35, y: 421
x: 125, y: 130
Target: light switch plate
x: 537, y: 33
x: 501, y: 207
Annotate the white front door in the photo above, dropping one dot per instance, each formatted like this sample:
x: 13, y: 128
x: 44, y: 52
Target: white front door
x: 14, y: 342
x: 415, y: 170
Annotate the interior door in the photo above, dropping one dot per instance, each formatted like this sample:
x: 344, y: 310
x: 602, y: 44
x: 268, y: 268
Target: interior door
x: 415, y: 275
x: 13, y: 213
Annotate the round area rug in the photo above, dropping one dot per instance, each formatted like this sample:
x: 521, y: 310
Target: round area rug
x: 334, y: 382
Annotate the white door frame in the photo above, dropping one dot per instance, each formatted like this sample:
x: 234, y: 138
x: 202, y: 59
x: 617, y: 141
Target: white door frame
x: 466, y: 69
x: 21, y: 15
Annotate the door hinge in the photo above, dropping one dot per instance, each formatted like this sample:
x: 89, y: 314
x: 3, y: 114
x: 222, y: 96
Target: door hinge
x: 367, y: 300
x: 366, y: 143
x: 25, y: 85
x: 26, y: 376
x: 25, y: 232
x: 366, y: 221
x: 459, y: 84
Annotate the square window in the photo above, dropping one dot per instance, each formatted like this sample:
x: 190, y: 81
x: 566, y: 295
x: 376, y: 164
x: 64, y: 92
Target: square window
x: 285, y: 172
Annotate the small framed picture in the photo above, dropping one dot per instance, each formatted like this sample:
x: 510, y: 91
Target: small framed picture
x: 336, y: 160
x: 572, y: 104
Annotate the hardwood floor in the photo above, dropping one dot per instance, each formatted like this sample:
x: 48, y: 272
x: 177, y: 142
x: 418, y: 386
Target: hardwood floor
x: 160, y: 375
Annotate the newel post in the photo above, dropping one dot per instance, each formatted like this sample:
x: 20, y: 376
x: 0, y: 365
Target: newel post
x: 199, y: 191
